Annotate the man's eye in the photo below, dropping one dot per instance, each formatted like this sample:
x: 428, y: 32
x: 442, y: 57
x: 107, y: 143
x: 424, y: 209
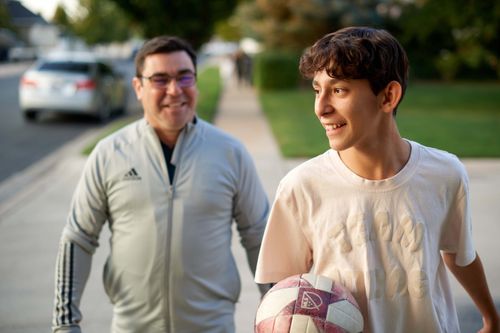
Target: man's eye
x: 185, y: 79
x: 159, y: 80
x: 338, y: 90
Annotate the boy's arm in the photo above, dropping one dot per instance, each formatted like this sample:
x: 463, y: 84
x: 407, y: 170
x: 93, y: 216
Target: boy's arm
x: 473, y: 280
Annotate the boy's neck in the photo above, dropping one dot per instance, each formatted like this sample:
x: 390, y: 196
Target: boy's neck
x: 380, y: 160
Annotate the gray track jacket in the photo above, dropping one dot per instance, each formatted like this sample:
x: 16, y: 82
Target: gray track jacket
x: 170, y: 268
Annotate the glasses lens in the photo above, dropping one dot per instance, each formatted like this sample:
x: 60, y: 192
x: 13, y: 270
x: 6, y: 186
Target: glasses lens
x: 159, y: 81
x: 185, y: 80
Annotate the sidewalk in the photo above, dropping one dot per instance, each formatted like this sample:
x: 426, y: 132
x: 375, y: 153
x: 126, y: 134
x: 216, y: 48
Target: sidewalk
x: 239, y: 114
x: 32, y: 220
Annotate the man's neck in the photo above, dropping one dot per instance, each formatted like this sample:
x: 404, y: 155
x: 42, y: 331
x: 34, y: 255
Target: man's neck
x: 168, y: 138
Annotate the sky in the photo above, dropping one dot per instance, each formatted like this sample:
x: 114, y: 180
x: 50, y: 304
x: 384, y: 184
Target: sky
x: 47, y: 7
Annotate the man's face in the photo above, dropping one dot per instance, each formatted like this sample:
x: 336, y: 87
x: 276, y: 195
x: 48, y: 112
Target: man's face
x: 348, y: 110
x: 170, y: 108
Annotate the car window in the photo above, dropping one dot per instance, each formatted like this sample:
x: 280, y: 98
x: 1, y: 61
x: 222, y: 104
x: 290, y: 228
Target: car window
x: 105, y: 69
x: 66, y: 66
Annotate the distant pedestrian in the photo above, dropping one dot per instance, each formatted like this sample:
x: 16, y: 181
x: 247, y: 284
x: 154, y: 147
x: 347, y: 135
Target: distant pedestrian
x: 243, y: 64
x: 380, y: 214
x: 169, y: 187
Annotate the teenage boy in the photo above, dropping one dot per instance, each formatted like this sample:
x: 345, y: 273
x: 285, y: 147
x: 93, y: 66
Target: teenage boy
x: 377, y: 213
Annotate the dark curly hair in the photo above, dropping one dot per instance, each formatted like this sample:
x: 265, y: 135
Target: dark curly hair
x: 358, y: 53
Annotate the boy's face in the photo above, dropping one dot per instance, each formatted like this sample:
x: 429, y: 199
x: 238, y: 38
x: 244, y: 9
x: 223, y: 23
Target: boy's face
x: 348, y: 110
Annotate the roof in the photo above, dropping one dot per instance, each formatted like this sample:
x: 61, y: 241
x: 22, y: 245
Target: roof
x: 22, y: 16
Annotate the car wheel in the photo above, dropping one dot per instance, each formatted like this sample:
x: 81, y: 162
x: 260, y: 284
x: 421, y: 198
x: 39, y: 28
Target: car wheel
x: 30, y: 115
x: 122, y: 107
x: 104, y: 111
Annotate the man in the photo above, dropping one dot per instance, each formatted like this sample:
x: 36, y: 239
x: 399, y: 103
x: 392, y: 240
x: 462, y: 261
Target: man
x: 380, y: 214
x: 169, y: 186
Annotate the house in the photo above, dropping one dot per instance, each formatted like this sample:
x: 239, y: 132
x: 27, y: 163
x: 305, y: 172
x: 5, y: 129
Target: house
x: 35, y: 35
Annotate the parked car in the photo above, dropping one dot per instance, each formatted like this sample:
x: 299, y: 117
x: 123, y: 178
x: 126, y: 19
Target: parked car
x: 72, y: 83
x: 22, y: 53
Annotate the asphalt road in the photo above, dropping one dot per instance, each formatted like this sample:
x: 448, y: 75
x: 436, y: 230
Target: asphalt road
x: 23, y: 143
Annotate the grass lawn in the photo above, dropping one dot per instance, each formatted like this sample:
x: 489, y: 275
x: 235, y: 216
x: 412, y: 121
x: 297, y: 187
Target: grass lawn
x: 462, y: 118
x: 210, y: 87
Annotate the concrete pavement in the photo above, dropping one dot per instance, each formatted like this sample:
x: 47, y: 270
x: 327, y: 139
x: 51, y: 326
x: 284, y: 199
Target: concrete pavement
x: 34, y: 205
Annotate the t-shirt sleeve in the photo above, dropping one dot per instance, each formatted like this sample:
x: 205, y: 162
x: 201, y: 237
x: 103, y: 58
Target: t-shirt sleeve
x: 457, y: 232
x: 285, y: 249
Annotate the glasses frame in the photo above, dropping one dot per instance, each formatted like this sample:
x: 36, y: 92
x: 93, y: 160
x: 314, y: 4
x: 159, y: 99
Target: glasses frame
x: 169, y: 79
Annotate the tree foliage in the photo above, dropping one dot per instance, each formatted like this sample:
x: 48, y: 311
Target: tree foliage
x: 444, y: 38
x: 101, y: 21
x: 62, y: 20
x: 193, y: 20
x: 5, y: 21
x: 295, y: 24
x: 453, y: 37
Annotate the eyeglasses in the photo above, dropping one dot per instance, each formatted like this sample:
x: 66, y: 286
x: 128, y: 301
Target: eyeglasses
x: 161, y: 81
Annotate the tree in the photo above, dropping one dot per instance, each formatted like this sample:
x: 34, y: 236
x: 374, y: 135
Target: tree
x: 453, y: 37
x: 193, y: 20
x: 62, y: 20
x: 5, y: 21
x: 101, y: 22
x: 295, y: 24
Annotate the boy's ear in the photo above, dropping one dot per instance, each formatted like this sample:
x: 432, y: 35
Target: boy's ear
x: 390, y: 96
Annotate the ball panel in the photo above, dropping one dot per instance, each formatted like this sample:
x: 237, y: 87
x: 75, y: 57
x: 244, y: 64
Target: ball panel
x: 301, y: 323
x: 279, y: 324
x: 346, y: 315
x: 318, y: 281
x: 282, y: 324
x: 272, y: 306
x: 292, y: 281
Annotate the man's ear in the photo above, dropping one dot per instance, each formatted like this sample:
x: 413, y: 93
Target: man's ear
x: 390, y: 96
x: 137, y: 85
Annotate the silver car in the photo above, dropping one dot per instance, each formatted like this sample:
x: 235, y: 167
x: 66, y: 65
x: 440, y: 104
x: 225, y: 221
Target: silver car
x: 72, y: 84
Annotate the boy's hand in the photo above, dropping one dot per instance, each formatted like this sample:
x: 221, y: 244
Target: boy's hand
x: 491, y: 326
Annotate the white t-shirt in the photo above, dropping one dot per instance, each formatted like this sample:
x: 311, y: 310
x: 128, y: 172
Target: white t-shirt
x: 381, y: 239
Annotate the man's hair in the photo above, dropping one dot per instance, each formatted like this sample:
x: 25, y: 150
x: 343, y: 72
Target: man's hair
x: 358, y: 53
x: 162, y: 44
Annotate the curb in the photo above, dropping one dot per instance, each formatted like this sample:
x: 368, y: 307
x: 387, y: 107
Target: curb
x: 18, y: 188
x: 22, y: 185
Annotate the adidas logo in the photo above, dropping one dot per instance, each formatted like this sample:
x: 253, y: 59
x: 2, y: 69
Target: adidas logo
x: 132, y: 175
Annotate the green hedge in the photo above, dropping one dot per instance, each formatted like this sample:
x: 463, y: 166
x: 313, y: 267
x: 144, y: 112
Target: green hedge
x: 276, y: 70
x: 210, y: 87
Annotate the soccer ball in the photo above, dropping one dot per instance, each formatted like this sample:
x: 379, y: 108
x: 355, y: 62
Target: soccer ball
x: 308, y: 303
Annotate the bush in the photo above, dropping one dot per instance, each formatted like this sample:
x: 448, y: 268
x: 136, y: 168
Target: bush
x: 276, y: 70
x: 210, y: 87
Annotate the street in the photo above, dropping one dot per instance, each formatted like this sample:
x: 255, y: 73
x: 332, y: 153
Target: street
x: 23, y: 143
